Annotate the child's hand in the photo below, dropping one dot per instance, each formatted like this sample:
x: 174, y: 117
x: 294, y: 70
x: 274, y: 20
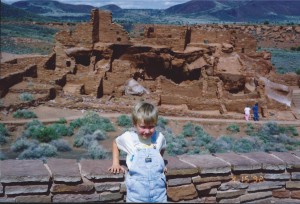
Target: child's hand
x: 116, y: 169
x: 165, y: 170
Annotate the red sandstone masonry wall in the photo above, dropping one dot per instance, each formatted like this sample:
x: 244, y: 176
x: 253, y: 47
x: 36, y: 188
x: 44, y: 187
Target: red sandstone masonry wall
x: 221, y: 178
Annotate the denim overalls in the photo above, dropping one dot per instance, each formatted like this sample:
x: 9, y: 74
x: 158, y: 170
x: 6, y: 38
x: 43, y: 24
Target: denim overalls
x: 145, y: 180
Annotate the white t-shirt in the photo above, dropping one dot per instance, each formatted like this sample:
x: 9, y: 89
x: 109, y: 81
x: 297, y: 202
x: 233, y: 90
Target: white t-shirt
x: 247, y: 110
x: 130, y: 141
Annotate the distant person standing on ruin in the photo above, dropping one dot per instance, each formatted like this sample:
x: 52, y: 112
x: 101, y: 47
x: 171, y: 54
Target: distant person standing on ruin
x: 247, y: 112
x: 255, y: 112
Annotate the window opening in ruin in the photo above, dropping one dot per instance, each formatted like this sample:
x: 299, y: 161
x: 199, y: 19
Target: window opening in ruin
x: 117, y: 32
x: 119, y: 39
x: 83, y: 60
x: 243, y: 50
x: 68, y: 63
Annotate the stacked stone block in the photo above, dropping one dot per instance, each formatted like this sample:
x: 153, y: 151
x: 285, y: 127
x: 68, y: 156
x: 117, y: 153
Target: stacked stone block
x: 221, y: 178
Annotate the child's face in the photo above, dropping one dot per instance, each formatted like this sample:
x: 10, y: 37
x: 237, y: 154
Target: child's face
x: 145, y: 130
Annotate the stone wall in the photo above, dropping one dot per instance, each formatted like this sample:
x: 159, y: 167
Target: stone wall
x: 222, y: 178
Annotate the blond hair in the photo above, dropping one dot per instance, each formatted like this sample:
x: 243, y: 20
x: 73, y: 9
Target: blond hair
x: 144, y: 112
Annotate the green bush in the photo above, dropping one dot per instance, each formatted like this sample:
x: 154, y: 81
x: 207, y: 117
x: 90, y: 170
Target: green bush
x: 2, y: 156
x: 62, y: 121
x: 162, y: 122
x: 61, y: 129
x: 244, y: 145
x: 3, y: 139
x: 93, y: 120
x: 23, y: 113
x: 249, y: 129
x: 124, y: 121
x: 99, y: 135
x: 26, y: 97
x: 38, y: 152
x: 221, y: 145
x: 96, y: 151
x: 188, y: 130
x: 61, y: 145
x: 3, y: 130
x: 233, y: 128
x: 298, y: 71
x: 21, y: 144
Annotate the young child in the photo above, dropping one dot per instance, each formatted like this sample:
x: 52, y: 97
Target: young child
x: 247, y: 112
x: 145, y: 179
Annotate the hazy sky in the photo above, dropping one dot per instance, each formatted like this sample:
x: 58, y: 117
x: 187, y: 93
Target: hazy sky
x: 155, y: 4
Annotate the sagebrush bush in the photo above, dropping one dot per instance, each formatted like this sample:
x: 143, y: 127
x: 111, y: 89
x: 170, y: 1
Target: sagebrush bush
x: 162, y: 122
x: 3, y: 130
x: 22, y: 143
x: 221, y: 145
x: 26, y: 97
x: 233, y: 128
x: 61, y: 145
x: 3, y: 139
x: 2, y: 156
x: 124, y: 121
x: 96, y: 151
x: 249, y: 129
x: 41, y: 151
x: 188, y: 129
x: 23, y: 113
x: 177, y: 145
x: 61, y: 129
x: 61, y: 121
x: 99, y: 135
x: 244, y: 145
x: 93, y: 121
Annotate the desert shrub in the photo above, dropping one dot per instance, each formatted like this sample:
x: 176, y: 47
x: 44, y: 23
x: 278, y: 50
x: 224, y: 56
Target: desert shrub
x: 100, y: 122
x: 276, y: 147
x: 124, y: 121
x: 26, y: 97
x: 23, y: 113
x: 94, y: 121
x: 201, y: 136
x: 2, y: 156
x: 96, y: 151
x: 267, y: 131
x: 76, y: 123
x: 3, y: 134
x: 249, y: 129
x: 162, y: 122
x: 291, y: 130
x: 220, y: 145
x: 61, y: 145
x: 245, y: 145
x: 3, y: 130
x: 61, y: 121
x: 99, y: 135
x: 22, y: 143
x: 233, y: 128
x: 298, y: 71
x: 37, y: 152
x: 3, y: 139
x: 47, y: 134
x: 31, y: 129
x: 177, y: 145
x: 61, y: 129
x: 188, y: 129
x: 84, y: 141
